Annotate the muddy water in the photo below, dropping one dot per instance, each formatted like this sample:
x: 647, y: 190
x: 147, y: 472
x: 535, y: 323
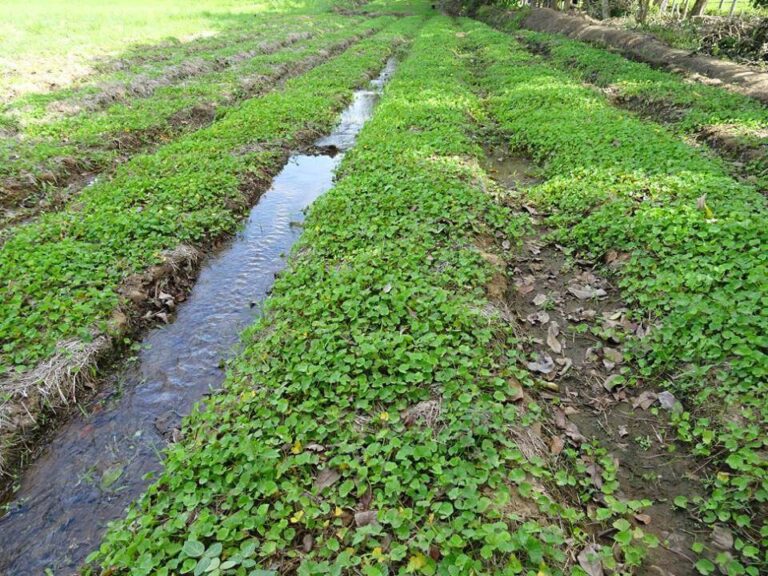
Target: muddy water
x: 97, y: 462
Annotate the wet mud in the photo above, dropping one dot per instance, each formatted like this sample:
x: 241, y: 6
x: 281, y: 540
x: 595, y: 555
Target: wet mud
x: 573, y: 326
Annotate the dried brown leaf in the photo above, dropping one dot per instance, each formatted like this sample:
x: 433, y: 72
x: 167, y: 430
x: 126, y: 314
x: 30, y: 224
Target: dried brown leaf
x: 552, y: 333
x: 326, y: 478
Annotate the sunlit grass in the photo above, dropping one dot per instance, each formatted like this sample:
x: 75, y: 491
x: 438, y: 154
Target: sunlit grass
x: 50, y: 43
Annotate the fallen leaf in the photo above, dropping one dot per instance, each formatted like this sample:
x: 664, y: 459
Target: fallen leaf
x: 588, y: 314
x: 427, y: 411
x: 667, y: 400
x: 515, y: 390
x: 366, y: 518
x: 308, y: 542
x: 533, y: 248
x: 645, y: 400
x: 595, y: 475
x: 387, y: 288
x: 590, y: 561
x: 543, y: 364
x: 551, y: 386
x: 623, y: 431
x: 164, y: 297
x: 552, y: 332
x: 539, y: 299
x: 571, y: 430
x: 587, y: 291
x: 326, y: 478
x: 540, y: 317
x: 366, y: 499
x: 556, y: 445
x: 566, y: 364
x: 643, y: 518
x: 613, y: 355
x: 612, y: 257
x: 722, y: 538
x: 560, y: 418
x: 525, y: 284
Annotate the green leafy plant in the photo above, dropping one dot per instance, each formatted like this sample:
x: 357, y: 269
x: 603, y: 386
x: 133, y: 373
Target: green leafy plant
x: 367, y: 425
x: 697, y: 268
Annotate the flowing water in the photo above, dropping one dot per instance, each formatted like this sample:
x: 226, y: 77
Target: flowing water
x: 97, y: 462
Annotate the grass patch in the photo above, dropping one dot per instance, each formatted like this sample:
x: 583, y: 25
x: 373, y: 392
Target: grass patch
x: 32, y: 62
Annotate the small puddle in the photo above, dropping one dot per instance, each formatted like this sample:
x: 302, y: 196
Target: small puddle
x: 96, y: 463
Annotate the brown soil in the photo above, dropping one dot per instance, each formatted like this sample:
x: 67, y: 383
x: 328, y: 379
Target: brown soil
x: 572, y: 324
x: 648, y: 49
x: 737, y: 144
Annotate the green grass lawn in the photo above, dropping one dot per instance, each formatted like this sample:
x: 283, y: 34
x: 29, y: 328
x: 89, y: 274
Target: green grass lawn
x: 46, y: 44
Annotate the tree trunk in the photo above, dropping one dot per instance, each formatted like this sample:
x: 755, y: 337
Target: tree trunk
x: 606, y: 9
x: 698, y: 8
x: 642, y: 11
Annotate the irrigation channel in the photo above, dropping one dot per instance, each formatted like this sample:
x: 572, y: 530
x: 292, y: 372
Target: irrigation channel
x: 96, y: 463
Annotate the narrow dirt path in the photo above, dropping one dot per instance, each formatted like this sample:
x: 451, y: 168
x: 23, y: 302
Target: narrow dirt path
x: 575, y: 330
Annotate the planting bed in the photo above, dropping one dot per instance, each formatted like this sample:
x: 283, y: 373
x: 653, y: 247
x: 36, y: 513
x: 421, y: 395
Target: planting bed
x: 51, y: 161
x: 79, y: 265
x: 734, y: 125
x: 693, y: 241
x: 524, y: 332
